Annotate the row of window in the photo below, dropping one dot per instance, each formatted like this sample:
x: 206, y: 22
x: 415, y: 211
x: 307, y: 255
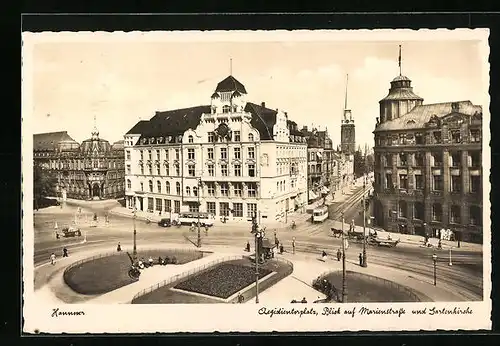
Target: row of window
x: 224, y: 190
x: 224, y: 171
x: 191, y: 155
x: 475, y: 214
x: 437, y: 183
x: 434, y: 137
x: 418, y: 159
x: 165, y: 205
x: 85, y: 164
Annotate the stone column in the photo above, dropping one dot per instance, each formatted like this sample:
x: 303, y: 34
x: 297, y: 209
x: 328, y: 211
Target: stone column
x: 445, y: 172
x: 464, y: 172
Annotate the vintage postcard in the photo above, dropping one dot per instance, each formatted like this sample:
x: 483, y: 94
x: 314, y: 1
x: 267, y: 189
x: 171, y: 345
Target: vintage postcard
x: 256, y: 181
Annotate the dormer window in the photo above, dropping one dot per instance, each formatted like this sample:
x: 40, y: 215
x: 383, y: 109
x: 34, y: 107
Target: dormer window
x: 190, y: 139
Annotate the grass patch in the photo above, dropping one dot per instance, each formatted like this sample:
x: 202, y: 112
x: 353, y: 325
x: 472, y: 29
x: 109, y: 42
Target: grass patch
x: 222, y: 280
x: 105, y: 274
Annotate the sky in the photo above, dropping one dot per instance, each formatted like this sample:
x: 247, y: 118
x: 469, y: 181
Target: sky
x: 120, y: 83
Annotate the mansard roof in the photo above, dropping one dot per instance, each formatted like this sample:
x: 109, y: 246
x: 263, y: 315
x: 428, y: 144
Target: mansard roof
x: 420, y: 115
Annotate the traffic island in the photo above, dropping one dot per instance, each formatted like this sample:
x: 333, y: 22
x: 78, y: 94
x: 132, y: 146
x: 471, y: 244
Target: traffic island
x: 363, y: 288
x: 105, y: 273
x: 220, y: 283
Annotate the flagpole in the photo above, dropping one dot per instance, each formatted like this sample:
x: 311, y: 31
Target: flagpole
x: 399, y: 60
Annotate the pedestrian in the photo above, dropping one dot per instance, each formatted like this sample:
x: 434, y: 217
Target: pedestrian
x: 293, y: 245
x: 282, y: 249
x: 339, y: 255
x: 360, y: 259
x: 206, y: 229
x: 53, y: 258
x: 248, y: 246
x: 65, y: 252
x: 118, y: 247
x: 324, y: 256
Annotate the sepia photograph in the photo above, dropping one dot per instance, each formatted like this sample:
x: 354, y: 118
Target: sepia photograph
x: 256, y: 181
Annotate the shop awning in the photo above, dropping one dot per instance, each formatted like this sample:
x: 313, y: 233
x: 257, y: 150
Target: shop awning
x: 312, y: 195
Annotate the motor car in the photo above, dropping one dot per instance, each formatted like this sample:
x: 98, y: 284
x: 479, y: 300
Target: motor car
x: 68, y: 232
x: 165, y: 223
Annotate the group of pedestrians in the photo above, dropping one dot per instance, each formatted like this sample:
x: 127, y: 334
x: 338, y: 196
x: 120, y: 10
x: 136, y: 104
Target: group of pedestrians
x: 53, y: 256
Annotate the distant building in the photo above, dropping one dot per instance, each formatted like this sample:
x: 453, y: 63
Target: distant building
x: 238, y: 159
x: 92, y: 170
x: 428, y: 172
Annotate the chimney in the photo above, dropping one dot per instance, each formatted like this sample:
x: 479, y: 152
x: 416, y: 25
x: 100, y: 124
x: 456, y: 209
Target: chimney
x: 263, y: 104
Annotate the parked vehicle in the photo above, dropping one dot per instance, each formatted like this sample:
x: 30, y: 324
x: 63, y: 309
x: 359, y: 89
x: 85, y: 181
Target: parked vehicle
x: 165, y: 223
x: 68, y: 232
x: 190, y: 218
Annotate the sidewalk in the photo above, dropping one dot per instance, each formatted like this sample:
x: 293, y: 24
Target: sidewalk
x: 307, y: 267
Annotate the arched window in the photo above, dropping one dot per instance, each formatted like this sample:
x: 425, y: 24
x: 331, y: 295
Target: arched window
x: 250, y: 137
x: 437, y: 212
x: 455, y: 214
x: 195, y: 191
x: 129, y: 184
x: 475, y: 215
x: 150, y: 186
x: 188, y: 190
x: 226, y: 109
x: 178, y: 188
x: 158, y: 185
x: 190, y: 139
x: 167, y: 187
x: 403, y: 210
x: 418, y: 211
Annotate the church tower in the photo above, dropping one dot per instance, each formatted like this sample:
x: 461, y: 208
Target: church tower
x: 401, y: 98
x: 347, y: 129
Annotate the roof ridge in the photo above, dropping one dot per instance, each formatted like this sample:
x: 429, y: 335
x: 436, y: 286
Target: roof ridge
x: 262, y: 120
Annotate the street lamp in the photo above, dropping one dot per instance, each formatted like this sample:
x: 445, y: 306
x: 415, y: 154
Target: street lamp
x: 199, y: 232
x: 449, y: 262
x: 258, y: 234
x: 363, y: 262
x: 434, y: 259
x: 134, y: 253
x: 344, y: 284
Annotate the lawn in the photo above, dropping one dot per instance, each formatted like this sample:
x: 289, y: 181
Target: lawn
x: 222, y: 280
x: 365, y: 289
x: 105, y: 274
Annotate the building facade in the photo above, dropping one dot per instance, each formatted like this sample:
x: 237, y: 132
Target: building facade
x: 93, y: 169
x: 231, y: 158
x: 428, y: 174
x: 321, y: 164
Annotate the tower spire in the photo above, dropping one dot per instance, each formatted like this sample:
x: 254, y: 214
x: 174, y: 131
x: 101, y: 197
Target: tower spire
x: 230, y: 66
x: 95, y: 132
x: 399, y: 60
x: 346, y: 83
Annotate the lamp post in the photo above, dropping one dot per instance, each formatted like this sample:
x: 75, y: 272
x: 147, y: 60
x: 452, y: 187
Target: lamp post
x: 198, y: 244
x: 434, y: 259
x: 134, y: 253
x: 363, y: 262
x: 258, y: 234
x: 344, y: 284
x: 449, y: 262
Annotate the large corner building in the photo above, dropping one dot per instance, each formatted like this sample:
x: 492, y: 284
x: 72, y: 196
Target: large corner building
x: 89, y: 171
x: 236, y: 158
x: 428, y: 174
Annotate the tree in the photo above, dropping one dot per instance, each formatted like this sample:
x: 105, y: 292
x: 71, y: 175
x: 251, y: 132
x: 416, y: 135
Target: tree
x: 43, y: 183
